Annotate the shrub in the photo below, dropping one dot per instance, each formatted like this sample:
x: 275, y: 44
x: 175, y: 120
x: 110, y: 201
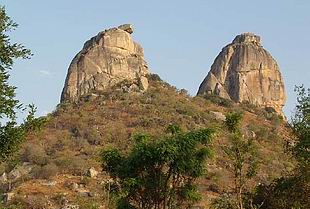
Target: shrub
x: 219, y: 100
x: 46, y: 171
x: 87, y: 203
x: 75, y: 165
x: 154, y: 77
x: 15, y: 205
x: 35, y: 154
x: 223, y: 202
x: 92, y: 135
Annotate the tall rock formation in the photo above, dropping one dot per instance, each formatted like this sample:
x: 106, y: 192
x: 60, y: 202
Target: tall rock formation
x: 106, y: 60
x: 245, y: 72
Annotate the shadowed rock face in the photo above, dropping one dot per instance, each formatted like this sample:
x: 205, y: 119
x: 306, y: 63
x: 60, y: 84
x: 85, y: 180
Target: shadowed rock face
x: 245, y: 72
x: 105, y: 60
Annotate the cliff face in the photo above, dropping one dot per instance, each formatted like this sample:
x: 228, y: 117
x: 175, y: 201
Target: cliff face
x: 105, y: 60
x: 245, y: 72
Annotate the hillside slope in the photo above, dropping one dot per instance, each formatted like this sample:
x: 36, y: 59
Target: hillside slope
x: 60, y: 165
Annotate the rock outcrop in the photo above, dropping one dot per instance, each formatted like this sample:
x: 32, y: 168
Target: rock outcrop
x: 245, y: 72
x: 106, y: 60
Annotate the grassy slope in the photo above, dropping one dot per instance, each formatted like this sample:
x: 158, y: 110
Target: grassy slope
x: 71, y: 141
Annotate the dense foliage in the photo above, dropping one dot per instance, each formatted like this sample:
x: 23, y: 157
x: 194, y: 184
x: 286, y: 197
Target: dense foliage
x: 301, y: 127
x: 10, y: 134
x: 160, y: 173
x: 293, y: 191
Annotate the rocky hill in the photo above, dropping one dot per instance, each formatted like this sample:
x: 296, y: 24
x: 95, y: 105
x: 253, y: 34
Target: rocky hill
x: 109, y: 96
x: 245, y: 72
x: 60, y: 166
x: 105, y: 60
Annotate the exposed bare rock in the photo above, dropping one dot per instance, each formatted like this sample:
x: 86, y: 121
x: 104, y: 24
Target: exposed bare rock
x: 218, y: 115
x: 70, y: 207
x: 3, y: 178
x: 245, y: 72
x: 92, y: 172
x: 20, y: 171
x: 106, y: 60
x: 49, y: 183
x: 126, y: 27
x: 8, y: 197
x: 84, y: 192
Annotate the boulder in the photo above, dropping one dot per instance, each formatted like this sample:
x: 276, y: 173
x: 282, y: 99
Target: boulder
x: 20, y: 171
x: 69, y: 206
x: 84, y: 192
x: 7, y: 197
x: 3, y: 178
x: 144, y: 83
x: 74, y: 186
x: 105, y: 60
x: 218, y: 115
x: 245, y: 72
x: 92, y: 172
x: 49, y: 183
x: 126, y: 27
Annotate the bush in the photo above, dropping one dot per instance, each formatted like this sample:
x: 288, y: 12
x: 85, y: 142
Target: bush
x: 12, y: 206
x: 154, y: 77
x: 87, y: 203
x: 35, y: 154
x: 93, y: 137
x: 223, y: 202
x: 46, y: 171
x: 36, y: 202
x: 219, y: 100
x: 75, y: 165
x: 283, y: 193
x: 262, y: 133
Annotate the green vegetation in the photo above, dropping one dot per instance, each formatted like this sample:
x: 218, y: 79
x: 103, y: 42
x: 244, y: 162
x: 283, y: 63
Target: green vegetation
x: 219, y: 100
x: 292, y: 191
x: 301, y: 128
x: 153, y: 171
x: 10, y: 134
x: 72, y: 138
x: 243, y: 158
x: 160, y: 173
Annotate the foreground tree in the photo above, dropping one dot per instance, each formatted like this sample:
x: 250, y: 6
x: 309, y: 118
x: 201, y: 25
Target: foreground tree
x: 292, y: 192
x: 301, y: 127
x: 160, y: 173
x: 243, y: 158
x: 10, y: 134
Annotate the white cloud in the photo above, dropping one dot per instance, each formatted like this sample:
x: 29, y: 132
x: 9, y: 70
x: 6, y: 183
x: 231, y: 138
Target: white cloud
x: 45, y: 73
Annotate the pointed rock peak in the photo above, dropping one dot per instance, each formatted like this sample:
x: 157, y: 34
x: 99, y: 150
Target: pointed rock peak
x: 247, y: 38
x: 106, y: 60
x: 245, y: 72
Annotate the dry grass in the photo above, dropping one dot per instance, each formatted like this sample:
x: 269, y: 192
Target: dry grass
x: 75, y: 134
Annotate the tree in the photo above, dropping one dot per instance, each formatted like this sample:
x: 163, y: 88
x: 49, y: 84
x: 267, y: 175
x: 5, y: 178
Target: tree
x: 242, y: 155
x: 10, y: 134
x: 160, y: 173
x: 301, y: 127
x: 292, y: 191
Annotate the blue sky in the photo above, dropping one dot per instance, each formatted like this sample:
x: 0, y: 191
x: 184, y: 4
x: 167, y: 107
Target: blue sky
x: 180, y: 38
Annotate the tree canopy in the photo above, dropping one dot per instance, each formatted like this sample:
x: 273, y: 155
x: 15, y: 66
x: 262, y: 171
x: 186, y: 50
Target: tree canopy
x: 160, y: 173
x: 10, y: 134
x: 292, y: 191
